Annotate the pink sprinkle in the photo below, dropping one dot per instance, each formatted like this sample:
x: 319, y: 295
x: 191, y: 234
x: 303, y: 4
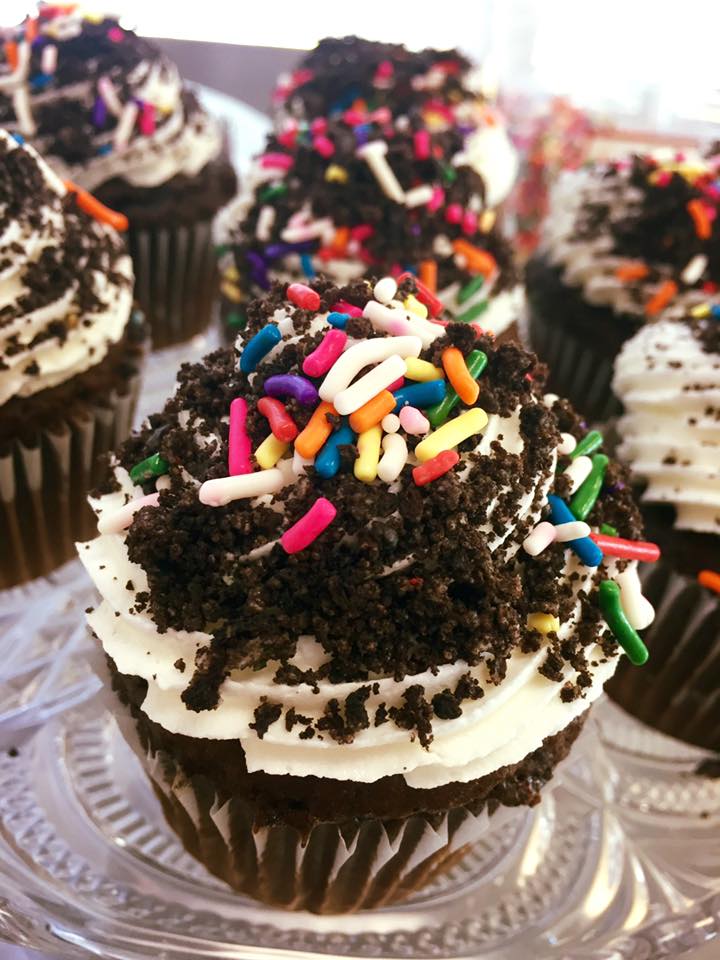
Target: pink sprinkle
x: 319, y: 125
x: 288, y: 137
x: 421, y: 141
x: 115, y: 34
x: 309, y: 527
x: 396, y: 384
x: 361, y: 232
x: 300, y: 77
x: 354, y: 117
x: 437, y: 200
x: 381, y: 115
x: 121, y: 519
x: 324, y: 146
x: 342, y: 306
x: 147, y: 120
x: 325, y: 354
x: 279, y: 161
x: 303, y: 296
x: 400, y: 328
x: 238, y: 440
x: 385, y: 69
x: 453, y: 213
x: 469, y: 223
x: 413, y: 421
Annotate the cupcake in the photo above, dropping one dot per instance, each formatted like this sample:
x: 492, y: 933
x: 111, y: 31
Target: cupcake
x: 346, y: 599
x: 625, y: 243
x: 405, y: 179
x: 668, y: 379
x: 109, y: 112
x: 70, y: 351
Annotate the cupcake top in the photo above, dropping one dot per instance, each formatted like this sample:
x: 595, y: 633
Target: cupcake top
x: 365, y: 194
x: 330, y: 545
x: 640, y: 235
x: 65, y: 279
x: 100, y: 102
x: 668, y: 379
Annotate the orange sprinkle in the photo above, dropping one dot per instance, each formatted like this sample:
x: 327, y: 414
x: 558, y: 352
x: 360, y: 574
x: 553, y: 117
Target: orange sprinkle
x: 11, y: 54
x: 31, y: 29
x: 319, y: 428
x: 478, y: 261
x: 632, y: 271
x: 709, y: 579
x: 459, y: 376
x: 698, y: 211
x: 372, y: 412
x: 341, y: 239
x: 664, y: 294
x: 428, y: 274
x: 92, y: 206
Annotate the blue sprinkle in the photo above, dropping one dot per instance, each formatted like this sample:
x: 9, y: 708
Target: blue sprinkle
x: 715, y: 311
x: 104, y: 149
x: 420, y: 395
x: 338, y: 320
x: 19, y: 138
x: 362, y: 133
x: 40, y: 81
x: 585, y: 548
x: 256, y: 348
x: 327, y: 462
x: 306, y: 262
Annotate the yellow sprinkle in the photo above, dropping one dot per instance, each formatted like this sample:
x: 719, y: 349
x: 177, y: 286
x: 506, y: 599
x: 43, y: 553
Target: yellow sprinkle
x: 412, y: 304
x: 701, y: 310
x: 336, y: 174
x: 452, y: 433
x: 231, y: 274
x: 93, y: 17
x: 422, y: 370
x: 270, y: 451
x: 231, y: 292
x: 543, y: 622
x: 487, y: 221
x: 368, y: 447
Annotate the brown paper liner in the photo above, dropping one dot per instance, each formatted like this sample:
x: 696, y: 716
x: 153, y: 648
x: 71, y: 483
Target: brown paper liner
x: 45, y: 479
x: 175, y: 279
x: 678, y: 690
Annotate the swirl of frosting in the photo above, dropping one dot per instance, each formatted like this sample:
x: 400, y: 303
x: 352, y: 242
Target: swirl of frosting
x: 100, y: 102
x: 65, y: 280
x: 668, y: 378
x: 336, y: 617
x: 641, y: 236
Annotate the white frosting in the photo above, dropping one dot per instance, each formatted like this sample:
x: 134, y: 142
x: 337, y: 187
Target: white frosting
x: 90, y: 335
x: 670, y: 388
x: 490, y: 153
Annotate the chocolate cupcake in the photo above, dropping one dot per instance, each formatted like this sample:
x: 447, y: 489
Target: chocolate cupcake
x: 110, y: 113
x: 625, y: 243
x: 70, y: 353
x: 342, y: 663
x: 404, y: 179
x: 668, y: 380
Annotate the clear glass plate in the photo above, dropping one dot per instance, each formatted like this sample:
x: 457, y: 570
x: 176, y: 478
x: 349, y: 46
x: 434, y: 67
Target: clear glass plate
x: 621, y: 860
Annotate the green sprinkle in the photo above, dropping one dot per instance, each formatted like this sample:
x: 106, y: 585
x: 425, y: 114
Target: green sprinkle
x: 473, y: 313
x: 609, y: 530
x: 221, y: 249
x: 476, y: 362
x: 470, y: 289
x: 589, y: 444
x: 449, y: 174
x: 153, y: 466
x: 272, y: 192
x: 626, y: 636
x: 236, y: 319
x: 585, y: 497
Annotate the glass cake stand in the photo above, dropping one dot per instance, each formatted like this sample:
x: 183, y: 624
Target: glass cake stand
x: 621, y: 860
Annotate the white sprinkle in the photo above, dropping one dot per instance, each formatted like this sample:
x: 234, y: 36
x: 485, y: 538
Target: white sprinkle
x: 379, y: 378
x: 265, y: 221
x: 125, y: 126
x: 573, y: 530
x: 550, y: 398
x: 107, y: 91
x: 48, y: 59
x: 385, y: 289
x: 695, y: 269
x: 216, y: 493
x: 373, y: 154
x: 540, y: 538
x: 567, y: 444
x: 121, y: 519
x: 299, y: 463
x: 419, y: 196
x: 390, y: 423
x: 163, y: 482
x: 363, y: 354
x: 578, y: 472
x: 638, y: 609
x: 394, y: 457
x: 23, y: 112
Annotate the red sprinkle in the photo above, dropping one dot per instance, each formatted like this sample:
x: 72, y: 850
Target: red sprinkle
x: 281, y: 423
x: 304, y: 297
x: 432, y: 469
x: 435, y: 306
x: 627, y: 549
x: 709, y: 579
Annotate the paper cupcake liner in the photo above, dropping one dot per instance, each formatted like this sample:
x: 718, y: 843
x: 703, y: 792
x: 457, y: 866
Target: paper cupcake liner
x: 44, y: 484
x: 678, y: 690
x: 175, y: 279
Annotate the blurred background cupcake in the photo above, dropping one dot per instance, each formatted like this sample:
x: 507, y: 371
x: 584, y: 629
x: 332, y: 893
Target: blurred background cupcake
x: 341, y: 663
x: 668, y: 380
x: 626, y: 243
x: 110, y: 112
x: 403, y: 172
x: 70, y: 353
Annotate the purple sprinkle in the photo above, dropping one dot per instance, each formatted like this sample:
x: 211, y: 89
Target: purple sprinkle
x: 99, y: 113
x: 292, y: 385
x: 275, y: 250
x: 416, y: 229
x: 258, y: 270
